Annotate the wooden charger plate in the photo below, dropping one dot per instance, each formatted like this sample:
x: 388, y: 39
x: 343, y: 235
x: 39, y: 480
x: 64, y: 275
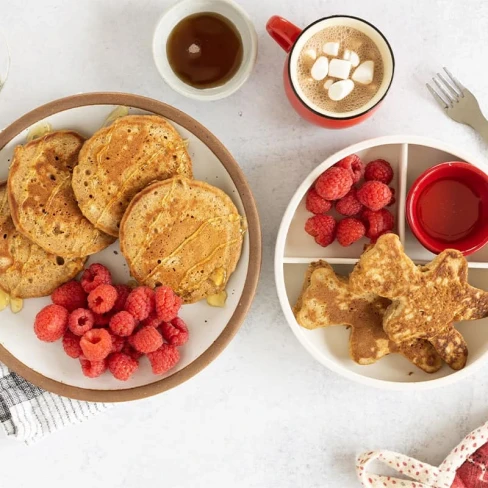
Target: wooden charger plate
x: 211, y: 329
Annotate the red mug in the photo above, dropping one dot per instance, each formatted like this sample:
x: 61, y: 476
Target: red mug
x: 292, y: 39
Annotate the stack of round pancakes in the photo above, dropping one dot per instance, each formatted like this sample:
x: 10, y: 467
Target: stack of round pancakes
x: 69, y: 198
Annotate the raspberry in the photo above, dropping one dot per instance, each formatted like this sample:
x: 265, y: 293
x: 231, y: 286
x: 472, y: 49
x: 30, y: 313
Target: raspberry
x: 51, y: 323
x: 122, y: 366
x: 102, y: 319
x: 349, y: 230
x: 148, y: 339
x: 70, y: 296
x: 96, y: 274
x: 323, y: 228
x: 165, y: 358
x: 374, y: 195
x: 71, y: 345
x: 175, y: 332
x: 334, y: 183
x: 353, y: 164
x: 316, y: 204
x: 93, y: 369
x: 102, y: 298
x: 167, y: 303
x: 122, y: 324
x: 96, y: 344
x: 122, y: 294
x: 379, y: 170
x: 152, y: 321
x: 140, y: 302
x: 130, y: 351
x: 349, y: 205
x: 152, y: 298
x: 118, y: 343
x: 80, y: 321
x: 377, y: 223
x: 393, y: 200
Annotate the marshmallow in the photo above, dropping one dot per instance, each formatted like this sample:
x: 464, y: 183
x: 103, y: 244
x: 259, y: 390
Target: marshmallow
x: 311, y: 53
x: 340, y: 89
x: 320, y: 68
x: 352, y: 57
x: 339, y: 68
x: 364, y: 73
x: 328, y: 84
x: 331, y: 48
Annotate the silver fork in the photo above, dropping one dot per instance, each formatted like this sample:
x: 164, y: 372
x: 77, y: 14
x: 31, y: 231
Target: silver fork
x: 458, y: 102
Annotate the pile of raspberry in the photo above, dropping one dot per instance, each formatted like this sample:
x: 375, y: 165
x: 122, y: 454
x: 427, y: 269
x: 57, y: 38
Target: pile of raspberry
x: 107, y: 326
x: 362, y: 204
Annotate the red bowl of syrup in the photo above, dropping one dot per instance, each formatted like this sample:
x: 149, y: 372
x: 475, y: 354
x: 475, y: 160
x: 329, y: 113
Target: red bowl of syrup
x: 447, y: 208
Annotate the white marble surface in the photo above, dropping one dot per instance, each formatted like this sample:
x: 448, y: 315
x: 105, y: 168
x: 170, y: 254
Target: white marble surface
x: 264, y: 414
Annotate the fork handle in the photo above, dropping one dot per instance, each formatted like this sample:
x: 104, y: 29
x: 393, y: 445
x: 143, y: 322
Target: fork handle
x: 480, y: 125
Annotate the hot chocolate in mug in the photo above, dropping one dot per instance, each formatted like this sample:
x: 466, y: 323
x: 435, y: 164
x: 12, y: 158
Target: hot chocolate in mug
x: 293, y: 40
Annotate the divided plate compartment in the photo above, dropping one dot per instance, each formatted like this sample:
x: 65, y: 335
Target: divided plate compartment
x: 409, y: 156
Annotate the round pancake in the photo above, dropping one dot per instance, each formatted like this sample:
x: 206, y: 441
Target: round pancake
x: 121, y: 160
x: 184, y: 234
x: 26, y: 270
x: 42, y: 202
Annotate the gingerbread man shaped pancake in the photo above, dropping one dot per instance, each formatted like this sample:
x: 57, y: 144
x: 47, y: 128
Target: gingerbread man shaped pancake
x: 327, y: 300
x: 426, y: 300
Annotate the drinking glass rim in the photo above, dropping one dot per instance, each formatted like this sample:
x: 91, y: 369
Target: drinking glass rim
x: 4, y: 75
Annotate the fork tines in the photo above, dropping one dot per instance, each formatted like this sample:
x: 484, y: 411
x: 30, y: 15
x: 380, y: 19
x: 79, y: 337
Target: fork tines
x: 448, y: 91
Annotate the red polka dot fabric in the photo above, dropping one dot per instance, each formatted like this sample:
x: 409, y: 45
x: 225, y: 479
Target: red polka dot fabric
x: 465, y: 467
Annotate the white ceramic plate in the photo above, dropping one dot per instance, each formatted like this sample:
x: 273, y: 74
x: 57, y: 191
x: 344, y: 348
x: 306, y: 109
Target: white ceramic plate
x: 295, y: 249
x: 210, y: 328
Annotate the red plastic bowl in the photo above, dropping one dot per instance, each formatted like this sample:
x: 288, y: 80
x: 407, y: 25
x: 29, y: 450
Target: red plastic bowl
x: 459, y: 173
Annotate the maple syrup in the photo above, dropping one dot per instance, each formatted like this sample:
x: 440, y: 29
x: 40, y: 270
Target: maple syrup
x: 4, y: 300
x: 449, y: 210
x: 204, y: 50
x: 16, y: 304
x: 38, y: 130
x: 217, y: 300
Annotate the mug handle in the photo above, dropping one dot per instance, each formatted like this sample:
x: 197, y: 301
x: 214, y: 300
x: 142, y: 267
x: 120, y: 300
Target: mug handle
x: 283, y: 32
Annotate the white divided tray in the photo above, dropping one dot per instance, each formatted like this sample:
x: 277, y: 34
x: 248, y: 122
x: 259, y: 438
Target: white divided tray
x: 409, y: 156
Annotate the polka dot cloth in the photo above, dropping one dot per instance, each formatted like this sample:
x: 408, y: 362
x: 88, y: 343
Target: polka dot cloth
x: 465, y: 467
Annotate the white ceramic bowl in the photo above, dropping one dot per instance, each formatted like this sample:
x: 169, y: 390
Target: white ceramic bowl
x: 410, y: 156
x: 226, y: 8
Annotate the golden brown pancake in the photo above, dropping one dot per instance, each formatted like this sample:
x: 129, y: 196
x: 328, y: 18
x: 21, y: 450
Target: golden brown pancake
x: 119, y: 161
x: 327, y: 300
x: 184, y: 234
x: 42, y: 202
x: 26, y: 270
x: 426, y: 300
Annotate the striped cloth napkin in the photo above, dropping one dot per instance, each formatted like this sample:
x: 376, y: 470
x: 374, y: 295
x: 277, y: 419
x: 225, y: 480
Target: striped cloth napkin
x: 28, y: 413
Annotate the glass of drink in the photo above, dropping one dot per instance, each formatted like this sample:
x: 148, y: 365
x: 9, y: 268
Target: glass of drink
x: 4, y: 59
